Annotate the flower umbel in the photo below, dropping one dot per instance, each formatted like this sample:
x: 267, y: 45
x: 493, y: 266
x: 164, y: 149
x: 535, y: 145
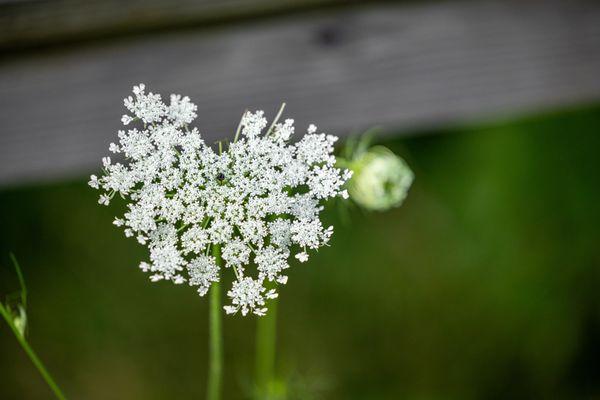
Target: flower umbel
x: 260, y: 198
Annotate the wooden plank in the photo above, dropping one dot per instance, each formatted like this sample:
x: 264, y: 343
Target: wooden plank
x: 388, y: 65
x: 26, y: 23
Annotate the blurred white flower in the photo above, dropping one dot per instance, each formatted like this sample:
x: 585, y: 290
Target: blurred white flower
x: 381, y: 179
x: 260, y: 198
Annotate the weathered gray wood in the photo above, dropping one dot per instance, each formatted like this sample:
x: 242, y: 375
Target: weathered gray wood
x: 33, y: 22
x: 389, y: 65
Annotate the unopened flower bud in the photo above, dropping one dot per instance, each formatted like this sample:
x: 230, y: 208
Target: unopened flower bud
x: 20, y: 321
x: 381, y: 179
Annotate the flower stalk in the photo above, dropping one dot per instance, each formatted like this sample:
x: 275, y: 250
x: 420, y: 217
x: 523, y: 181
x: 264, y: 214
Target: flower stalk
x: 18, y: 325
x: 266, y: 343
x: 215, y: 350
x: 31, y: 354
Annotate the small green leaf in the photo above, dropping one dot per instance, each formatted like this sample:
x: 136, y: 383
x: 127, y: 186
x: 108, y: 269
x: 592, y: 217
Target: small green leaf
x: 21, y: 280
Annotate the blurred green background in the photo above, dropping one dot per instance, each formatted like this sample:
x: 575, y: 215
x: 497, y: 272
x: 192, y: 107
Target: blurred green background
x: 484, y: 285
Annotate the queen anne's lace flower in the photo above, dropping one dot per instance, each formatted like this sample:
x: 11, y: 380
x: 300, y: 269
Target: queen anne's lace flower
x: 260, y: 198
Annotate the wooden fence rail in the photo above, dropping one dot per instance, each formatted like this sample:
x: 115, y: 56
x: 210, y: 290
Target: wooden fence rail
x: 345, y: 69
x: 25, y: 23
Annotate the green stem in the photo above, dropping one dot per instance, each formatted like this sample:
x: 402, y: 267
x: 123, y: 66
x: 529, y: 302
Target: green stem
x: 31, y: 354
x: 276, y: 119
x: 266, y: 340
x: 215, y: 349
x: 239, y: 128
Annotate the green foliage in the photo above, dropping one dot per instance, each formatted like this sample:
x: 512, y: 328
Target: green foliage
x: 482, y: 285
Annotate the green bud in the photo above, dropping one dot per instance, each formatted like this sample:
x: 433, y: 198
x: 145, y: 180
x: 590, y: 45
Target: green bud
x: 381, y: 179
x: 20, y: 321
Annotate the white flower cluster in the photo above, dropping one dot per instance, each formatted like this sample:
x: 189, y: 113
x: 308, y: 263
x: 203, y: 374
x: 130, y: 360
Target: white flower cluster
x: 259, y: 199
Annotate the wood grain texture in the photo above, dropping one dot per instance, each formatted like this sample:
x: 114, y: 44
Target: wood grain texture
x: 388, y: 65
x: 25, y: 23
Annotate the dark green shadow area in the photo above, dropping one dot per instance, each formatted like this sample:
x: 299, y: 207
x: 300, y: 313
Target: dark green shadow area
x: 484, y: 285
